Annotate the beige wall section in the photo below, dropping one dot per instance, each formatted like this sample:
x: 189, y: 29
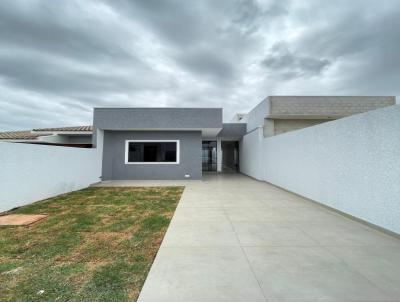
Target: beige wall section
x: 325, y: 106
x: 269, y: 127
x: 282, y: 126
x: 275, y: 127
x: 289, y: 113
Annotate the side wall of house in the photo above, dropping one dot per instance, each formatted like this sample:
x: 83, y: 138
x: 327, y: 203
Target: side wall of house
x: 351, y: 164
x: 257, y: 115
x: 30, y: 172
x: 114, y: 167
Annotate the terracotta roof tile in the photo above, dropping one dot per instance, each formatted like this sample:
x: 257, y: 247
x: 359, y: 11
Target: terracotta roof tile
x: 76, y: 128
x: 19, y: 135
x: 35, y: 133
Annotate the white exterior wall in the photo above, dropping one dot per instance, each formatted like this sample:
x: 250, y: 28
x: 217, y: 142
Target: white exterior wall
x: 250, y: 152
x: 30, y: 172
x: 255, y: 118
x: 55, y: 139
x: 351, y: 164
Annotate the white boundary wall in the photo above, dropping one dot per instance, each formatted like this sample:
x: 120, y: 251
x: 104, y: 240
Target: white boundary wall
x: 29, y: 172
x: 351, y: 164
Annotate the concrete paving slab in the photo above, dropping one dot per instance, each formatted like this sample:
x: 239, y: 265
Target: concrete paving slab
x: 379, y: 265
x: 303, y: 274
x: 200, y: 234
x: 310, y: 214
x: 201, y: 274
x: 199, y: 214
x: 283, y: 202
x: 328, y: 234
x: 200, y: 202
x: 233, y: 238
x: 253, y: 214
x: 261, y: 234
x: 241, y: 202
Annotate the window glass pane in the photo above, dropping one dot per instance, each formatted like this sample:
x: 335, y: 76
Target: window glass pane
x: 209, y: 155
x: 152, y: 152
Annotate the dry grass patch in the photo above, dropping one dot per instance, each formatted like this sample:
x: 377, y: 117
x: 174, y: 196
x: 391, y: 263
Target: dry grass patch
x: 97, y: 244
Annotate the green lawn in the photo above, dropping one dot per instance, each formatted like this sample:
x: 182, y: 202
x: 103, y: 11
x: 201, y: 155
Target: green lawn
x: 97, y: 244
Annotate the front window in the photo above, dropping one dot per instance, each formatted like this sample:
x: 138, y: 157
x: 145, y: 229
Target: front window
x: 152, y: 152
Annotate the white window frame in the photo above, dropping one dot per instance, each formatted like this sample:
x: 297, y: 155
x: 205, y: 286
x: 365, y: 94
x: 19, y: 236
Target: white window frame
x: 178, y: 152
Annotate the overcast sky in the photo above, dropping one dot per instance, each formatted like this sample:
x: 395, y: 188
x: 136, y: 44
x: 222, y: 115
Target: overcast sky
x: 59, y: 59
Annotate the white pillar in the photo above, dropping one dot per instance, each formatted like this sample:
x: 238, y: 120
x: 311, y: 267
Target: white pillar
x: 219, y: 155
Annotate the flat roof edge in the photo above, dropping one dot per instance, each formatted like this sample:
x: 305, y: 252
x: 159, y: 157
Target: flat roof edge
x: 333, y: 96
x: 167, y: 108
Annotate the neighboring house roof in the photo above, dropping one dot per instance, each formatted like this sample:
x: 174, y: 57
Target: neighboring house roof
x: 35, y: 133
x: 19, y: 135
x: 75, y: 128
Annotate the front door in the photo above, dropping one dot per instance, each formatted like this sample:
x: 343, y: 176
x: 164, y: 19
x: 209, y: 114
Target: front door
x: 209, y: 155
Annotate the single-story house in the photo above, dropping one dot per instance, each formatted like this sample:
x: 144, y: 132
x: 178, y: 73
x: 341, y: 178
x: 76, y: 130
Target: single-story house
x: 182, y: 143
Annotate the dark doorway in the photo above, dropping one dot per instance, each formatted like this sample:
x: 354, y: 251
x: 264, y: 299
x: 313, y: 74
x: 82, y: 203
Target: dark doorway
x: 209, y: 155
x: 230, y: 156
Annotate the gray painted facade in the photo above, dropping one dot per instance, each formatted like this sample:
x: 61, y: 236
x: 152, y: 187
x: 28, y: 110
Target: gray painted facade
x: 188, y: 125
x: 114, y: 166
x: 232, y: 130
x: 204, y: 119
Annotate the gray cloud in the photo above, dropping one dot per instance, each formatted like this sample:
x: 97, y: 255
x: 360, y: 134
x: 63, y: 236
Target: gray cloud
x: 206, y: 38
x: 46, y: 29
x: 288, y: 65
x: 366, y: 46
x: 58, y: 59
x: 59, y: 77
x: 249, y: 14
x: 207, y: 62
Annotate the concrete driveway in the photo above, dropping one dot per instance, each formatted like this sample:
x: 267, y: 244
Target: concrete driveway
x: 236, y: 239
